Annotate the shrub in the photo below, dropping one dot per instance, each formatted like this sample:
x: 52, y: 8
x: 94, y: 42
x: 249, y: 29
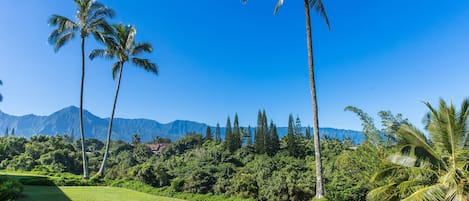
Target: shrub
x: 200, y: 182
x: 177, y: 184
x: 36, y: 181
x: 9, y: 189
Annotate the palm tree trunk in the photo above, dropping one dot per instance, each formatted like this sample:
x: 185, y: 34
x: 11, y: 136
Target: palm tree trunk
x: 317, y: 150
x: 108, y: 141
x: 82, y: 132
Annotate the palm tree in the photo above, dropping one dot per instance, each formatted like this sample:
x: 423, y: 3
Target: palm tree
x: 121, y: 44
x: 429, y: 168
x: 319, y: 7
x: 90, y: 18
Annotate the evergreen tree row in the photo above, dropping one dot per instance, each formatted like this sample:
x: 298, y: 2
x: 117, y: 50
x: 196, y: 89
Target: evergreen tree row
x: 266, y: 137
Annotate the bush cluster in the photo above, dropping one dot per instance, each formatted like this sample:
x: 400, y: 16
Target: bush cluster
x: 10, y: 189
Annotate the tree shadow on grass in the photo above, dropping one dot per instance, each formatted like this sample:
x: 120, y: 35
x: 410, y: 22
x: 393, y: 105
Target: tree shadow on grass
x: 37, y: 188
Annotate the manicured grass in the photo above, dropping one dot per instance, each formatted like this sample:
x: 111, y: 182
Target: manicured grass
x: 86, y: 193
x: 43, y: 193
x: 78, y: 193
x: 105, y: 193
x: 26, y: 174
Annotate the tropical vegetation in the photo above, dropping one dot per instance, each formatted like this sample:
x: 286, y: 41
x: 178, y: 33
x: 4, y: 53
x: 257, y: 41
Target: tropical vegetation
x: 395, y: 162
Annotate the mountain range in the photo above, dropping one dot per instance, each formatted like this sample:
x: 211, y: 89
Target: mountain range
x: 65, y: 121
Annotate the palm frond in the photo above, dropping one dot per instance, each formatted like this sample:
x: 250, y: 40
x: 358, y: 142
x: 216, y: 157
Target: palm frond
x: 408, y: 187
x: 63, y: 33
x: 63, y: 23
x: 319, y: 7
x: 457, y: 194
x: 411, y: 136
x: 384, y: 193
x: 406, y: 161
x: 116, y: 68
x: 98, y: 36
x: 111, y: 43
x: 140, y: 48
x: 120, y: 34
x: 146, y: 64
x: 277, y: 6
x: 101, y: 53
x: 130, y: 40
x: 102, y: 26
x: 100, y: 11
x: 463, y: 116
x: 429, y: 193
x: 426, y: 120
x: 62, y: 40
x: 388, y: 171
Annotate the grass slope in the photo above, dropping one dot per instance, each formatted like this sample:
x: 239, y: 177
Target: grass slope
x: 86, y: 193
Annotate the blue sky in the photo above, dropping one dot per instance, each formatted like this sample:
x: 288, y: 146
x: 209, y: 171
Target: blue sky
x: 217, y: 58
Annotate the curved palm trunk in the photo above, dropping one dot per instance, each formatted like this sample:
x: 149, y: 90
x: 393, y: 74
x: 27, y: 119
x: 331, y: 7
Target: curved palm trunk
x: 317, y: 149
x: 108, y: 141
x: 82, y: 133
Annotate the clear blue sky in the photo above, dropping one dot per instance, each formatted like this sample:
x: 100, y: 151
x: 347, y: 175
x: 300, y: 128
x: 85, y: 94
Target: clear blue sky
x: 217, y: 58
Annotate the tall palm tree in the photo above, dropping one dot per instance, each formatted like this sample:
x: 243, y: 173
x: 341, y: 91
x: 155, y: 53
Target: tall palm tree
x: 90, y: 20
x: 319, y: 7
x: 429, y: 168
x: 121, y: 45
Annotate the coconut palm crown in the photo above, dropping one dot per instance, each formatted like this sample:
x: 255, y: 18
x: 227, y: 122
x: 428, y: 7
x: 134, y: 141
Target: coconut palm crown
x: 121, y: 45
x: 429, y: 167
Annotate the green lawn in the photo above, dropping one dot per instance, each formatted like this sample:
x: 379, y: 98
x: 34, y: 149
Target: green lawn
x: 43, y: 193
x: 86, y: 193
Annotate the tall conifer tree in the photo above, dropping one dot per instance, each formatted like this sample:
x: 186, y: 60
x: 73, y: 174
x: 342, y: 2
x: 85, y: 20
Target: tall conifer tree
x: 228, y: 134
x: 249, y: 141
x: 236, y: 138
x: 273, y: 144
x: 208, y: 134
x: 218, y: 133
x: 265, y: 130
x: 291, y: 138
x: 259, y: 138
x: 298, y: 127
x: 308, y: 133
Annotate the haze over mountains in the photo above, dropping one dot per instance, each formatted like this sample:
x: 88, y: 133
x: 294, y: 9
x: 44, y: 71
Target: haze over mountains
x: 65, y: 121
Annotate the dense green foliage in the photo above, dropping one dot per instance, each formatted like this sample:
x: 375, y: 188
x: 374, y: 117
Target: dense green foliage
x: 189, y: 165
x: 9, y: 188
x: 395, y: 162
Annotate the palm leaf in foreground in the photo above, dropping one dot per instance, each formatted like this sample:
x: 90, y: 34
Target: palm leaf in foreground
x: 431, y: 168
